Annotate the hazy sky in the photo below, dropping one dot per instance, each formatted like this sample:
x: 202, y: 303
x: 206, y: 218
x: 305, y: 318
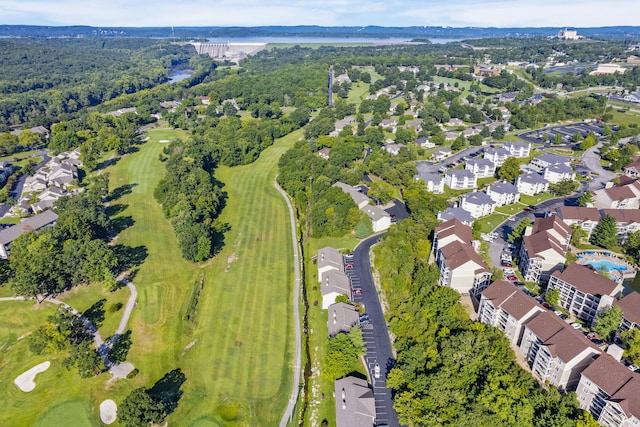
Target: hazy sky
x: 457, y: 13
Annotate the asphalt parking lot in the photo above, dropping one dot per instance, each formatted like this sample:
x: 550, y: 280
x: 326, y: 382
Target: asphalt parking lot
x: 566, y: 131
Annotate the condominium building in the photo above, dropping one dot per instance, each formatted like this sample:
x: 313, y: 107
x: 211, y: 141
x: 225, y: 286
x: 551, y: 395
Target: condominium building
x: 507, y: 308
x: 460, y: 179
x: 518, y: 149
x: 559, y: 172
x: 451, y: 231
x: 630, y: 306
x: 556, y: 352
x: 497, y: 155
x: 483, y: 168
x: 478, y: 204
x: 503, y: 193
x: 610, y: 393
x: 625, y: 195
x: 433, y: 181
x: 462, y: 269
x: 586, y: 218
x: 531, y: 184
x: 583, y: 291
x: 543, y: 248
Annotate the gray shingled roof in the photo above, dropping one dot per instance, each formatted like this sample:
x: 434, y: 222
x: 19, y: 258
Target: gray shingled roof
x: 478, y: 198
x: 36, y: 222
x: 532, y: 178
x: 458, y: 213
x: 504, y: 188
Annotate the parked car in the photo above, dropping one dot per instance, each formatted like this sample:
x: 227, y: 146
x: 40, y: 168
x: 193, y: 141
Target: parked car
x: 633, y: 367
x: 357, y: 291
x: 512, y: 278
x: 546, y: 305
x: 376, y: 371
x: 349, y: 265
x: 576, y: 325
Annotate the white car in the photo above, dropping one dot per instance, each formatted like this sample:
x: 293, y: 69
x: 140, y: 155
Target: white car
x: 509, y: 271
x: 576, y: 325
x: 633, y: 367
x: 376, y: 371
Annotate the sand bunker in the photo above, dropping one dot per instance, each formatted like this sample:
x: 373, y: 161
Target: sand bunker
x: 108, y: 411
x: 25, y: 381
x: 164, y: 140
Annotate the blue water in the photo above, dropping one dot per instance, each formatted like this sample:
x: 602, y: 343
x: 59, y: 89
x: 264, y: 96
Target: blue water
x: 176, y: 76
x: 606, y: 265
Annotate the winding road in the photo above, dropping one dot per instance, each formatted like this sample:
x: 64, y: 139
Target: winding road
x: 293, y: 398
x: 102, y: 346
x: 375, y: 334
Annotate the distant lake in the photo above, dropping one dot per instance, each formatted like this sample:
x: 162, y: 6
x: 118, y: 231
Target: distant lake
x: 331, y: 40
x: 178, y: 75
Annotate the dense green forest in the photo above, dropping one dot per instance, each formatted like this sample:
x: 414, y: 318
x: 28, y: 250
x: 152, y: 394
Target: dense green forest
x: 43, y: 81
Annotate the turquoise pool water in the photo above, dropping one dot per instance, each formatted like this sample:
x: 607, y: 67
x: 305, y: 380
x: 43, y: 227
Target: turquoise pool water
x: 606, y: 265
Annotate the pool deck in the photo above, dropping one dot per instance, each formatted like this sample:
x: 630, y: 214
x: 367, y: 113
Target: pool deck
x: 618, y: 275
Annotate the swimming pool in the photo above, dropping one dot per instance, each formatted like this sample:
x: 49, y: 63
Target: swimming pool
x: 606, y: 265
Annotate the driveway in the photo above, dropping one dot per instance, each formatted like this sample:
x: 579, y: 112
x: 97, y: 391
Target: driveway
x: 591, y: 160
x: 375, y: 333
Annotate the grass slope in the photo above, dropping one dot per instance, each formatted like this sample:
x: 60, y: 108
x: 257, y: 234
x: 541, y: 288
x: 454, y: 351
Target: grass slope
x: 240, y: 348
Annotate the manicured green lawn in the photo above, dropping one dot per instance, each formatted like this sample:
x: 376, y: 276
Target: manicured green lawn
x: 511, y: 209
x: 490, y: 222
x: 240, y: 348
x: 68, y: 414
x: 534, y: 200
x: 83, y: 297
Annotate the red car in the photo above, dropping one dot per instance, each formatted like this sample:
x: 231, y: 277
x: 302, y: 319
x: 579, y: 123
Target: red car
x: 512, y: 278
x: 350, y: 265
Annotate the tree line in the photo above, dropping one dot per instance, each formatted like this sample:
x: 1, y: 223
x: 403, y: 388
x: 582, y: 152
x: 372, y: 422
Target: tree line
x: 192, y: 199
